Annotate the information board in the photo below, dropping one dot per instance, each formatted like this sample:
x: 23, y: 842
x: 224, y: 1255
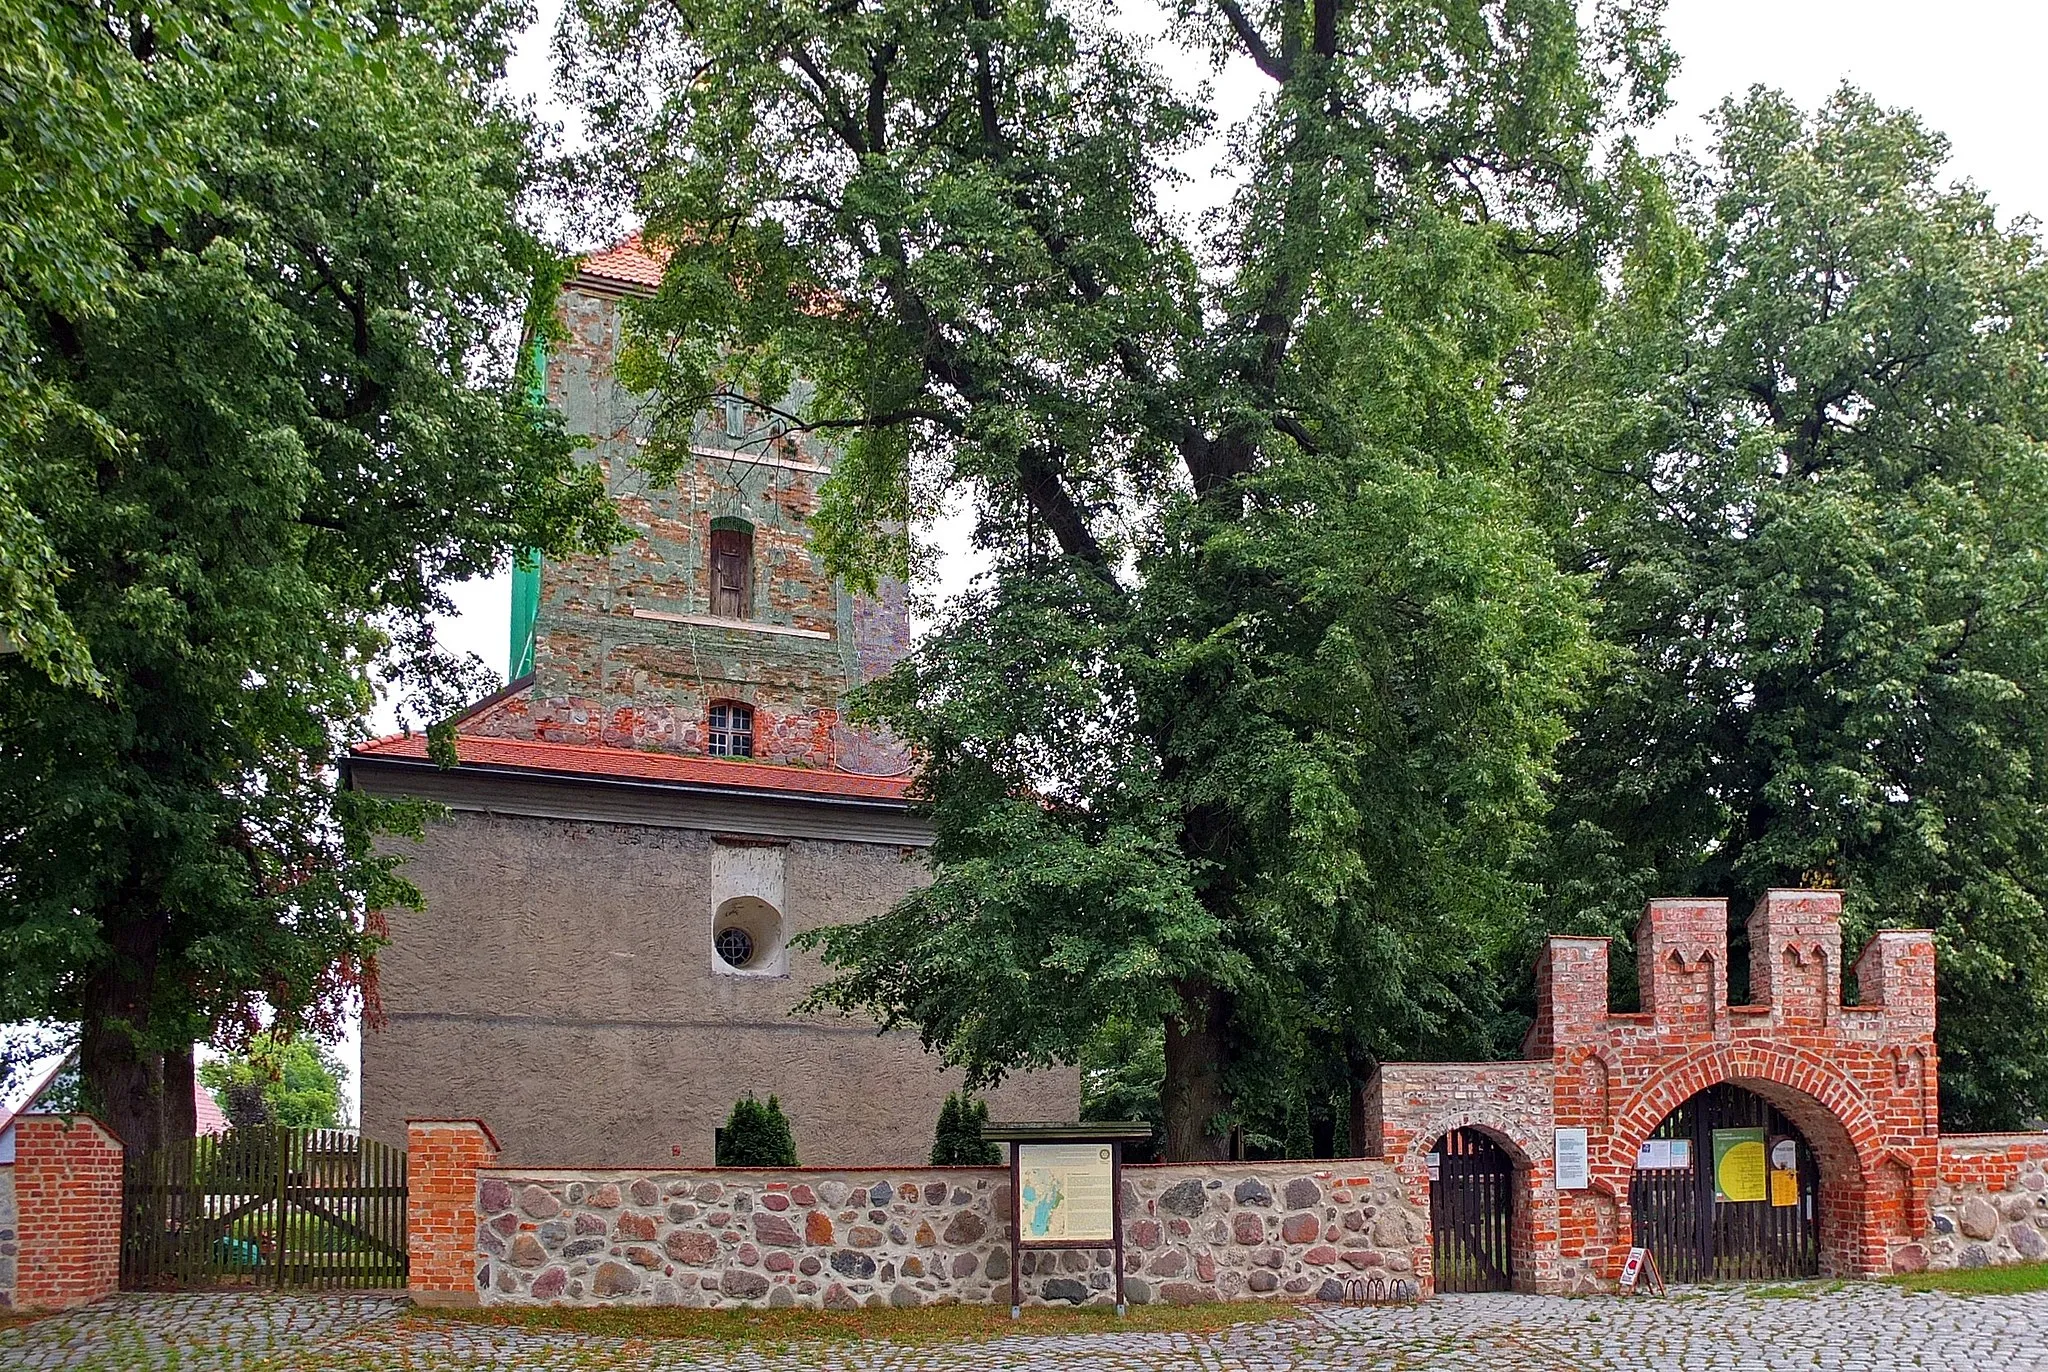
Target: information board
x: 1664, y: 1155
x: 1740, y: 1166
x: 1572, y: 1167
x: 1066, y: 1193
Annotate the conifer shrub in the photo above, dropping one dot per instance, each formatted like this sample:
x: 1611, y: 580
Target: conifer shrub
x: 958, y: 1141
x: 756, y: 1135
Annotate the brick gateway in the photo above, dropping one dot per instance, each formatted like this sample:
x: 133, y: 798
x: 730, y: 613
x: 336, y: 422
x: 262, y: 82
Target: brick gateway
x: 1856, y: 1083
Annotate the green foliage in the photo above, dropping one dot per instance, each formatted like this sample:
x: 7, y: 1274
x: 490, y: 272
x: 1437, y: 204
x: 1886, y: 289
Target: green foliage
x: 958, y: 1141
x: 284, y: 423
x: 1251, y: 715
x: 1123, y: 1069
x: 82, y: 144
x: 1804, y: 464
x: 756, y: 1135
x: 297, y: 1081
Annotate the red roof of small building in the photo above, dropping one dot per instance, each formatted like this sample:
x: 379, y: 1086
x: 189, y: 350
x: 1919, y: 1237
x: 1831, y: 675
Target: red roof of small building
x: 206, y: 1113
x: 633, y: 764
x: 631, y: 263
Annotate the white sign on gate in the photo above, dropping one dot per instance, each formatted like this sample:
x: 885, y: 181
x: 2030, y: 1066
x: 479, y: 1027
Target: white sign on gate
x: 1572, y: 1163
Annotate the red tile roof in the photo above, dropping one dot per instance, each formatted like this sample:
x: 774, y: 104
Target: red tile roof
x: 206, y: 1113
x: 631, y: 764
x: 631, y: 263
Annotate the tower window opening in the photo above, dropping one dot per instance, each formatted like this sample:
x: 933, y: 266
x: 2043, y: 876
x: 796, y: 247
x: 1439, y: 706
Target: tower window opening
x: 732, y: 730
x: 732, y: 572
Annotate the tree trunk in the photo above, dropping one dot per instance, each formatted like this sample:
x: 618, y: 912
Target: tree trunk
x: 1322, y: 1131
x: 120, y: 1071
x: 181, y: 1102
x: 1361, y: 1065
x: 1193, y: 1098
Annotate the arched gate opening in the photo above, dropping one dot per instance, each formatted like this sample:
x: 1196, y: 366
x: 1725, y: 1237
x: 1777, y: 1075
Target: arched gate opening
x: 1472, y: 1213
x: 1728, y: 1188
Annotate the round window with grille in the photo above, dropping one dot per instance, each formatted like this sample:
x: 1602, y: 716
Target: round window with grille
x: 735, y: 945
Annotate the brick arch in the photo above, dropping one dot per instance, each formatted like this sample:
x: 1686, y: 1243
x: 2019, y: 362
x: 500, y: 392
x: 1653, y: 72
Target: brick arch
x: 1495, y: 1124
x: 1535, y: 1198
x: 1816, y: 1088
x: 1595, y: 1050
x: 1807, y: 1089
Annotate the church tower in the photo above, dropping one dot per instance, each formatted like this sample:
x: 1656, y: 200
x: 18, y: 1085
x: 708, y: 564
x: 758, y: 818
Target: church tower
x: 716, y: 631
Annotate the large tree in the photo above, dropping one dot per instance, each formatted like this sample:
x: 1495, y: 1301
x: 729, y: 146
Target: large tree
x: 85, y: 143
x: 1804, y: 460
x: 1250, y: 715
x: 293, y: 421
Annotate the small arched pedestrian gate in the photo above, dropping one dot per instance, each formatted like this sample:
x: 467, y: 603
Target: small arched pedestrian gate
x: 1700, y: 1234
x: 1471, y: 1213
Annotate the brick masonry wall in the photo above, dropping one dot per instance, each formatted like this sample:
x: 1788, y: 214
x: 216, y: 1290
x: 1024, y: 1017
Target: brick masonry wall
x: 1988, y: 1206
x: 838, y: 1239
x: 442, y: 1158
x: 67, y: 1199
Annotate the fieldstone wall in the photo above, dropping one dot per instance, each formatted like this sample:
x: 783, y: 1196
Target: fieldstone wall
x: 1989, y: 1207
x: 842, y: 1239
x: 1237, y: 1231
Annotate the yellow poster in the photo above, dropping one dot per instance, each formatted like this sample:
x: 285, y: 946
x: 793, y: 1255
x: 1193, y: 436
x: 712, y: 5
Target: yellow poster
x: 1739, y: 1165
x: 1784, y: 1188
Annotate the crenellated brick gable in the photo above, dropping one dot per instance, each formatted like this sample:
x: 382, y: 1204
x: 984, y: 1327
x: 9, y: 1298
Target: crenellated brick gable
x: 1860, y: 1081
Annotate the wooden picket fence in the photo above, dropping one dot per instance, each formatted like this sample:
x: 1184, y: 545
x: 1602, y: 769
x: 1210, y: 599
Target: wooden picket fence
x: 306, y: 1209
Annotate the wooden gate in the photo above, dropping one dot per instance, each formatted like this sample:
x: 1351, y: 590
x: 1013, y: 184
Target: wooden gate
x: 317, y: 1209
x: 1471, y: 1213
x: 1699, y: 1235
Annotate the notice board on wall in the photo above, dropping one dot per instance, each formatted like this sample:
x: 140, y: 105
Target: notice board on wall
x: 1740, y: 1165
x: 1573, y: 1164
x: 1664, y: 1155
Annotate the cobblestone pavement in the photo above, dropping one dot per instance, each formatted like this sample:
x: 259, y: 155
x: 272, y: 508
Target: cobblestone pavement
x: 1851, y: 1328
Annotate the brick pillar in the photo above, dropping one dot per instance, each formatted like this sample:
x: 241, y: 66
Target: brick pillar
x: 441, y: 1162
x: 67, y: 1195
x: 1896, y: 970
x: 1682, y: 962
x: 1795, y: 955
x: 1571, y: 995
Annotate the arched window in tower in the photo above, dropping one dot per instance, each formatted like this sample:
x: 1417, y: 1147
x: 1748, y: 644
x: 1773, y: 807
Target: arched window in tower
x: 732, y: 730
x: 732, y: 568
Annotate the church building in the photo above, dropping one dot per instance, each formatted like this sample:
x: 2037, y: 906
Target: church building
x: 664, y: 796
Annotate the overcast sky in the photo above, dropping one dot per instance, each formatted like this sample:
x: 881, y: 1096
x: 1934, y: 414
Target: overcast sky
x: 1972, y: 68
